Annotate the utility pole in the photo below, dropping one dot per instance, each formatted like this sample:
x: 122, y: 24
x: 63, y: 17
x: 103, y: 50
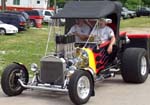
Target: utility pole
x: 48, y: 4
x: 3, y: 5
x: 55, y: 5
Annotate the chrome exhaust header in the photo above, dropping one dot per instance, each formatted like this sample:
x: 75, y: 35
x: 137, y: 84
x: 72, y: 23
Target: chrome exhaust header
x: 42, y: 87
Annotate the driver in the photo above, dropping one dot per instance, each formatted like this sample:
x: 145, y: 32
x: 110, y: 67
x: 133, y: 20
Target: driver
x: 104, y: 33
x: 81, y: 30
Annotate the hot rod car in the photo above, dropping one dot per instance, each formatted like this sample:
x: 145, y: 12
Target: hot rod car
x: 76, y: 67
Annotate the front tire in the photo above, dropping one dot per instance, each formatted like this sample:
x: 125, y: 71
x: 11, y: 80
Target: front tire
x: 134, y: 67
x: 9, y: 81
x: 2, y: 31
x: 80, y: 87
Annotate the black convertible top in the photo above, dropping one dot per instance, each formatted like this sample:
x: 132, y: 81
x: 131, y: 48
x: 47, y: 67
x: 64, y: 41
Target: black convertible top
x: 89, y: 9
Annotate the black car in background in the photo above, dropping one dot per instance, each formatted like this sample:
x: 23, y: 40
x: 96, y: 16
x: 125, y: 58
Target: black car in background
x: 24, y: 14
x: 144, y: 11
x: 17, y: 20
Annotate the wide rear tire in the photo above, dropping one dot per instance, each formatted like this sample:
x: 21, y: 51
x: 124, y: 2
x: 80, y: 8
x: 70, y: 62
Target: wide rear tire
x: 80, y: 87
x: 134, y: 67
x: 9, y: 80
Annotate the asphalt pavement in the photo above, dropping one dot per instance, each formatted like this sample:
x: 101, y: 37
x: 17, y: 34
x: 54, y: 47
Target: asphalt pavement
x: 112, y: 91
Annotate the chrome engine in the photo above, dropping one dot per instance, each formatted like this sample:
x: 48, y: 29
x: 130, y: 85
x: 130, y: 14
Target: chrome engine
x: 65, y: 46
x: 55, y: 69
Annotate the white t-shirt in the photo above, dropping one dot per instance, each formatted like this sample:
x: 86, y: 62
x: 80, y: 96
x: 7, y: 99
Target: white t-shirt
x: 84, y: 30
x: 102, y: 34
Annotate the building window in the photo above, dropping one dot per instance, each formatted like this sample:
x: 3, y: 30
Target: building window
x: 38, y: 1
x: 16, y: 2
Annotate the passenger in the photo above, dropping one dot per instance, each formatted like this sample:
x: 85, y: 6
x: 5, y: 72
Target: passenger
x: 81, y: 30
x: 103, y: 33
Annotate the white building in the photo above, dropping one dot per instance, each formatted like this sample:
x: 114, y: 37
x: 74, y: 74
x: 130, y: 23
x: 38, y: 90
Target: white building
x: 25, y: 4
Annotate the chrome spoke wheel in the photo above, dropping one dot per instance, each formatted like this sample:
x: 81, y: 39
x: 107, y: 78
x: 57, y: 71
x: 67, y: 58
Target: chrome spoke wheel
x: 143, y: 66
x: 83, y: 87
x: 9, y: 80
x: 13, y: 80
x: 80, y: 87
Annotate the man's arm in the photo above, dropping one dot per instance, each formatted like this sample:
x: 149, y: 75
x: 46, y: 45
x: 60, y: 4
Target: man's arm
x: 72, y: 30
x: 82, y: 36
x: 110, y: 47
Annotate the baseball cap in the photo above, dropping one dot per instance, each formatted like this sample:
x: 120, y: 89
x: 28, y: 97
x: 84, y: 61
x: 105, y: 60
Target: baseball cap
x: 107, y: 20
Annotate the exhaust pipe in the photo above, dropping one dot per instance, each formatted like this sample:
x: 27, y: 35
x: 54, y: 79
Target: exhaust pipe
x: 103, y: 77
x: 109, y: 75
x: 42, y: 87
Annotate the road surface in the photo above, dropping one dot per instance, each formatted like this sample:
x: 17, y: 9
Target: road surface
x: 109, y: 92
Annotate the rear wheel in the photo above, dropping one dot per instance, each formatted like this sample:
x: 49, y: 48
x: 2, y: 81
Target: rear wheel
x: 9, y: 81
x: 134, y: 66
x: 2, y: 31
x: 80, y: 87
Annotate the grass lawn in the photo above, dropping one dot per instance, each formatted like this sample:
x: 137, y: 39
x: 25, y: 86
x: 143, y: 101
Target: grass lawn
x: 29, y: 46
x: 143, y: 22
x: 25, y: 47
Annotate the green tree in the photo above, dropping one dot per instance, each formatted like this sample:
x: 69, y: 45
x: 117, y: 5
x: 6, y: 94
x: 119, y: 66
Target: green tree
x: 146, y: 2
x: 3, y: 4
x: 133, y: 4
x: 123, y: 2
x: 60, y: 3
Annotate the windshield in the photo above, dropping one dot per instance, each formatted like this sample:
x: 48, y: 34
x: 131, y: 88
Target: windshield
x: 52, y: 12
x: 124, y: 9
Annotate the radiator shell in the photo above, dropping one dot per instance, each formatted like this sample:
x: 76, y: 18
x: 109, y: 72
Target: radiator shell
x: 52, y: 70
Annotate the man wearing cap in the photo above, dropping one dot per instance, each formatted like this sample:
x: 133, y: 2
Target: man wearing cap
x: 103, y: 33
x: 81, y: 30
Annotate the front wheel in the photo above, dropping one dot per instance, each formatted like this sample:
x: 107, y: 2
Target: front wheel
x: 134, y: 67
x: 80, y: 87
x: 9, y: 81
x: 2, y: 31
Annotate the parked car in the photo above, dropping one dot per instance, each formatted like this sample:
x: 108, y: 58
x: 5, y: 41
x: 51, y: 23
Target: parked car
x: 47, y: 15
x: 144, y: 11
x: 130, y: 14
x: 24, y: 14
x: 17, y: 20
x: 36, y: 18
x: 124, y: 15
x: 7, y: 28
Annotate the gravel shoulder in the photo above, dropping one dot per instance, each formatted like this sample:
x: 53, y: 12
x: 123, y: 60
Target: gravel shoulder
x: 131, y: 30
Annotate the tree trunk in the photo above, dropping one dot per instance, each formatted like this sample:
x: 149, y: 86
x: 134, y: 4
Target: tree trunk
x: 3, y: 4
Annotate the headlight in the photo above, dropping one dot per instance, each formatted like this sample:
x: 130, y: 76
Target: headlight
x: 34, y: 67
x: 70, y: 72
